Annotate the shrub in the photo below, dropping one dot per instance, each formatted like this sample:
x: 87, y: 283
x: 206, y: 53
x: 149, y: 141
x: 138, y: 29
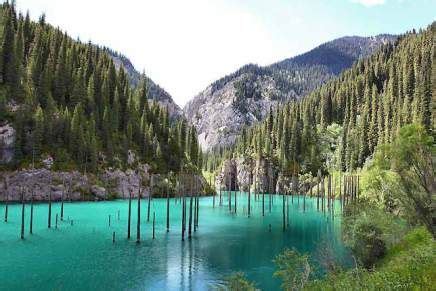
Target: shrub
x: 238, y: 282
x: 293, y: 268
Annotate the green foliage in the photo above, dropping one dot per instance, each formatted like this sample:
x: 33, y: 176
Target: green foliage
x: 293, y: 269
x: 369, y: 230
x: 71, y: 96
x: 371, y: 102
x: 404, y: 172
x: 380, y: 185
x: 238, y: 282
x: 408, y: 265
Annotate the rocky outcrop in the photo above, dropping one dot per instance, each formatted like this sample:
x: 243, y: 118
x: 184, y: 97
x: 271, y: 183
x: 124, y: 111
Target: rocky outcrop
x: 7, y: 139
x: 244, y: 173
x: 121, y: 183
x: 244, y: 97
x: 76, y: 186
x: 42, y: 183
x: 219, y: 115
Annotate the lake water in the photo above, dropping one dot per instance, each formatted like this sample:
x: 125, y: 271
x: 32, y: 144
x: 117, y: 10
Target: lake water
x: 82, y: 256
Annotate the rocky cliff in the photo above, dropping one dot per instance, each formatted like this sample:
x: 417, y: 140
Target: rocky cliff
x: 76, y: 186
x: 243, y: 98
x: 259, y: 175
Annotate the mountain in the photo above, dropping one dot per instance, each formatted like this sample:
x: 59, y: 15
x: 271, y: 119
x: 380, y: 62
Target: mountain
x: 245, y: 97
x: 341, y: 124
x: 155, y: 92
x: 65, y: 101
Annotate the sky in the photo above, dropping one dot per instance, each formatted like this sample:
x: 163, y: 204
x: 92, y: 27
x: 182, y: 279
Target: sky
x: 184, y: 45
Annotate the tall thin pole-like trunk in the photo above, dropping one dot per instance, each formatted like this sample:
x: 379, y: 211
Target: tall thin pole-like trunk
x: 263, y: 202
x: 340, y: 189
x: 149, y: 205
x: 190, y: 216
x: 321, y: 186
x: 345, y: 191
x: 62, y: 205
x: 221, y: 197
x: 329, y: 190
x: 6, y: 202
x: 198, y: 209
x: 284, y: 214
x: 304, y: 201
x: 49, y: 208
x: 236, y: 199
x: 213, y: 192
x: 317, y: 191
x: 22, y: 214
x: 31, y: 215
x: 249, y: 199
x: 270, y: 192
x: 138, y: 224
x: 168, y: 210
x: 129, y: 214
x: 154, y: 225
x: 287, y: 208
x: 230, y: 194
x: 183, y: 212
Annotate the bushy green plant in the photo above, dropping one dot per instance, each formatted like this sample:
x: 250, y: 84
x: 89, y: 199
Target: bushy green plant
x: 293, y: 269
x: 238, y: 282
x: 369, y: 230
x: 408, y: 265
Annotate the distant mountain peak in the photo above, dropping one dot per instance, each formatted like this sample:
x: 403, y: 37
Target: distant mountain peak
x: 244, y: 97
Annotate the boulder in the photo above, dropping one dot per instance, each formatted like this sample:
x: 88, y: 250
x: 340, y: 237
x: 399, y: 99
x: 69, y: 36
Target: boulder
x: 99, y: 192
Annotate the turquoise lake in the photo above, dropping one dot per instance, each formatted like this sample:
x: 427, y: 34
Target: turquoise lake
x: 82, y: 256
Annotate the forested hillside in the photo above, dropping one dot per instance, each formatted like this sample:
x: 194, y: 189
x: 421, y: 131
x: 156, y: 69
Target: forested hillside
x: 67, y: 99
x: 340, y: 125
x: 244, y: 97
x: 155, y: 92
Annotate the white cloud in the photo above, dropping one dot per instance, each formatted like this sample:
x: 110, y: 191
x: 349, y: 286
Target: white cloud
x: 370, y: 3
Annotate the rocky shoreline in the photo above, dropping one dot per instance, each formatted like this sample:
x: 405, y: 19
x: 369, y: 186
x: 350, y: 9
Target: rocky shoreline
x: 44, y: 184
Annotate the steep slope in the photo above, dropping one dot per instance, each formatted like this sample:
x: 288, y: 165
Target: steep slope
x: 245, y: 97
x: 64, y: 101
x: 342, y: 123
x: 155, y: 92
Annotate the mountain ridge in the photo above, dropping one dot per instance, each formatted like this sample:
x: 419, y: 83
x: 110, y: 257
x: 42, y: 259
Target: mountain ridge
x: 155, y: 92
x: 245, y: 96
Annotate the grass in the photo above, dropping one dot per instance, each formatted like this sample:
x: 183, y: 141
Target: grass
x: 408, y: 265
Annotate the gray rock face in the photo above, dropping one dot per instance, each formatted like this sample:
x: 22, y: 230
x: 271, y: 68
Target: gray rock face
x: 243, y: 174
x: 122, y: 183
x: 7, y: 139
x: 244, y: 98
x: 41, y: 183
x: 75, y: 186
x: 70, y: 185
x: 219, y: 116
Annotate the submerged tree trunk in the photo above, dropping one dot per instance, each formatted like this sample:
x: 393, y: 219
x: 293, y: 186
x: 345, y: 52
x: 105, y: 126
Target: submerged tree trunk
x: 22, y: 215
x: 49, y: 208
x: 168, y: 211
x: 31, y: 215
x: 138, y: 225
x: 129, y: 214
